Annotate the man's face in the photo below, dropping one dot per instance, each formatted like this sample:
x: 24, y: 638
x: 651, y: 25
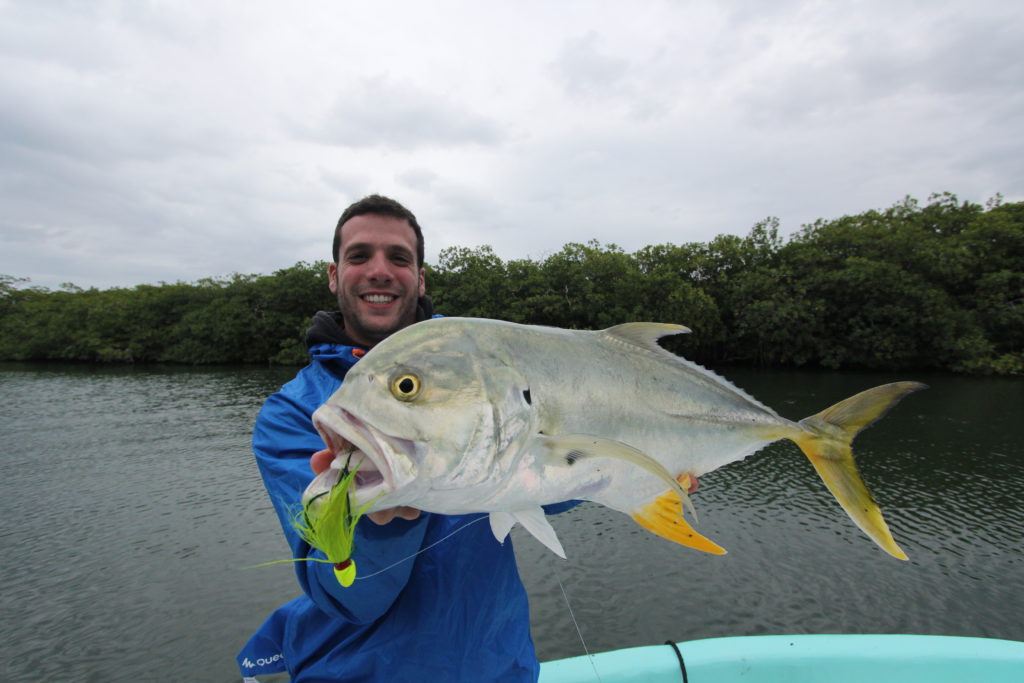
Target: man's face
x: 376, y: 278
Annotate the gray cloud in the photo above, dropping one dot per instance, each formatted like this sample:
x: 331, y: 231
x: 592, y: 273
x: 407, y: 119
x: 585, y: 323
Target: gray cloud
x: 378, y: 112
x: 583, y: 69
x: 589, y: 73
x: 148, y: 142
x: 417, y: 178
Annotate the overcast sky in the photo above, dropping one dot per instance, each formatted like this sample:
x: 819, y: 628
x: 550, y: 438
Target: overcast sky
x: 163, y: 141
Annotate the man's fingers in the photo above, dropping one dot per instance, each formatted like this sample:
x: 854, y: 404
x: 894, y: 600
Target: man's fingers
x: 407, y: 512
x: 385, y: 516
x: 321, y: 460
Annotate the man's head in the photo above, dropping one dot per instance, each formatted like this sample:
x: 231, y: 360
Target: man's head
x: 377, y: 272
x: 380, y: 206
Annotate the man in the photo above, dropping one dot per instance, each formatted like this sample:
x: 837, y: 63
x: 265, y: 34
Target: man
x: 424, y: 606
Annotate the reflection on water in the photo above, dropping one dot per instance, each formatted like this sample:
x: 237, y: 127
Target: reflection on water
x: 130, y: 502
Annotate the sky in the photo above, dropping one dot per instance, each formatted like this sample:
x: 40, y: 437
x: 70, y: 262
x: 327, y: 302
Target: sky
x: 145, y: 142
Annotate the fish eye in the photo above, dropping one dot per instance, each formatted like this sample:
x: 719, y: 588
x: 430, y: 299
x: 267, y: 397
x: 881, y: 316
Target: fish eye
x: 405, y: 387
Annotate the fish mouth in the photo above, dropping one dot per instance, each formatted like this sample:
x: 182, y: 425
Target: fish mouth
x: 384, y: 463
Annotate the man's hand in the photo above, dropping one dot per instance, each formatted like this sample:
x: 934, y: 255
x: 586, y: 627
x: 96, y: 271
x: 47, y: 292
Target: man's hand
x: 385, y: 516
x: 321, y: 460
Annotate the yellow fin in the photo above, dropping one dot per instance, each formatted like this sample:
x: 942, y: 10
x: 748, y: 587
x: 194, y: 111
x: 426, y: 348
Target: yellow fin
x: 663, y: 516
x: 826, y: 442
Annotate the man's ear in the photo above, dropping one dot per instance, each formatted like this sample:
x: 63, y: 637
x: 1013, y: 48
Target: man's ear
x: 423, y: 281
x: 332, y: 278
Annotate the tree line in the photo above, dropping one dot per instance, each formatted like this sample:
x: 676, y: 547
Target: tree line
x: 939, y: 285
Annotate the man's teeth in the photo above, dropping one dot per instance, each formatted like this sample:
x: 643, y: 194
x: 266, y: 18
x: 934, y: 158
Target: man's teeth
x: 378, y: 298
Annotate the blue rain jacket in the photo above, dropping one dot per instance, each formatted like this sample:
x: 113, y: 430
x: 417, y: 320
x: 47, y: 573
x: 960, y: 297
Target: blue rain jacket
x: 455, y: 612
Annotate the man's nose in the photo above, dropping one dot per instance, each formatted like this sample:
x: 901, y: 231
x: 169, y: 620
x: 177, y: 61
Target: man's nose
x: 379, y: 268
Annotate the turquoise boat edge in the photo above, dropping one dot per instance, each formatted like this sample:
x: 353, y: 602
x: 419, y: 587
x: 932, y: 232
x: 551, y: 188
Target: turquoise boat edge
x: 836, y: 658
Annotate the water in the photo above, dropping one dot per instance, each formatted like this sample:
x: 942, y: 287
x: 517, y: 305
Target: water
x: 130, y: 502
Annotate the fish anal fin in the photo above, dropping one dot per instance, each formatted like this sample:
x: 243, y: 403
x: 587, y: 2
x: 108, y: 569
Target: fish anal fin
x: 663, y: 517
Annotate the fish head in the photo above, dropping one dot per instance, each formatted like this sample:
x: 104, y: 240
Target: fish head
x: 424, y: 414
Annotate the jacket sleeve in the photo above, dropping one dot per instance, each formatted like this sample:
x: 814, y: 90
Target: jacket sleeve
x: 283, y: 440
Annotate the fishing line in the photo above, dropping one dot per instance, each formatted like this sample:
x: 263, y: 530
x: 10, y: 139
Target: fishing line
x: 579, y: 633
x: 558, y: 578
x: 422, y: 550
x: 379, y: 571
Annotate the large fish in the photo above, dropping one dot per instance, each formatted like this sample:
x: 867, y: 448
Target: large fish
x: 458, y: 415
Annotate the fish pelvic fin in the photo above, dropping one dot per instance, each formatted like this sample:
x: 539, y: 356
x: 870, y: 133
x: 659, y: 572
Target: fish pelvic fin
x: 501, y: 524
x: 826, y: 441
x: 536, y: 522
x: 663, y: 516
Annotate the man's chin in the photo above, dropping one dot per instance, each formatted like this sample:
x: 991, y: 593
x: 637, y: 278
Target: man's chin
x: 376, y: 330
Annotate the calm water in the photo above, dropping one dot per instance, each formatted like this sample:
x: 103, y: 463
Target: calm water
x: 130, y: 502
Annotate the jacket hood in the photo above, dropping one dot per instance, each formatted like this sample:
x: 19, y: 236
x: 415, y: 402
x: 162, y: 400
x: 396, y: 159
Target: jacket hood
x: 329, y: 328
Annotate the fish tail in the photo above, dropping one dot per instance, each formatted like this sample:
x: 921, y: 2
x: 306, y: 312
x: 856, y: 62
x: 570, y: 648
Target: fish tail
x: 826, y: 440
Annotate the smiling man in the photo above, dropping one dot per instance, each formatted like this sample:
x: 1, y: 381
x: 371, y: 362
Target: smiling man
x: 377, y: 274
x: 436, y: 596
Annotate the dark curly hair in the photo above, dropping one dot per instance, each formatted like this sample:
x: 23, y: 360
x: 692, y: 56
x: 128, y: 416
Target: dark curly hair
x: 381, y: 206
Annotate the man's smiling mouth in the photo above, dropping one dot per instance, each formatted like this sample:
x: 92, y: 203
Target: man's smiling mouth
x: 378, y: 298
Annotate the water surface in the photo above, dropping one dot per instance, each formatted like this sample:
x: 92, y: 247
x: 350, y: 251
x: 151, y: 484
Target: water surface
x: 130, y: 502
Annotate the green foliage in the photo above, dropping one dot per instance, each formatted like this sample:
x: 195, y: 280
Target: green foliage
x: 933, y: 286
x: 238, y: 319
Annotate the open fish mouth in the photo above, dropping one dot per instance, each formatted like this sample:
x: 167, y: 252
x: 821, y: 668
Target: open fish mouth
x: 383, y: 463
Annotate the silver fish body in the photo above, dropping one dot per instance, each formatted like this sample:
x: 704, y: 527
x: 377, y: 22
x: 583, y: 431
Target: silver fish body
x: 457, y: 415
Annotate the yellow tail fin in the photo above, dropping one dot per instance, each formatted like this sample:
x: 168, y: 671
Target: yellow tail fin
x: 826, y: 440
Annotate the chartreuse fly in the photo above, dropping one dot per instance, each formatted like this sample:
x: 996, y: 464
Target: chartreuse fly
x: 327, y: 522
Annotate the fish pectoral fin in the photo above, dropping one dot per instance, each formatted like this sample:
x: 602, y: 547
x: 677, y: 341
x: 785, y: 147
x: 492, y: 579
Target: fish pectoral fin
x: 501, y: 525
x: 570, y: 449
x: 536, y: 522
x: 663, y: 516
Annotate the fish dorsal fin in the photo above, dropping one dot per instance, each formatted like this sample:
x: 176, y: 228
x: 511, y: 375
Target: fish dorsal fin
x: 501, y: 524
x: 536, y: 522
x: 645, y: 335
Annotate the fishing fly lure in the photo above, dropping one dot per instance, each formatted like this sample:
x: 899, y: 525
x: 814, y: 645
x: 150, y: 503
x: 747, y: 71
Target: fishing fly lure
x: 327, y: 522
